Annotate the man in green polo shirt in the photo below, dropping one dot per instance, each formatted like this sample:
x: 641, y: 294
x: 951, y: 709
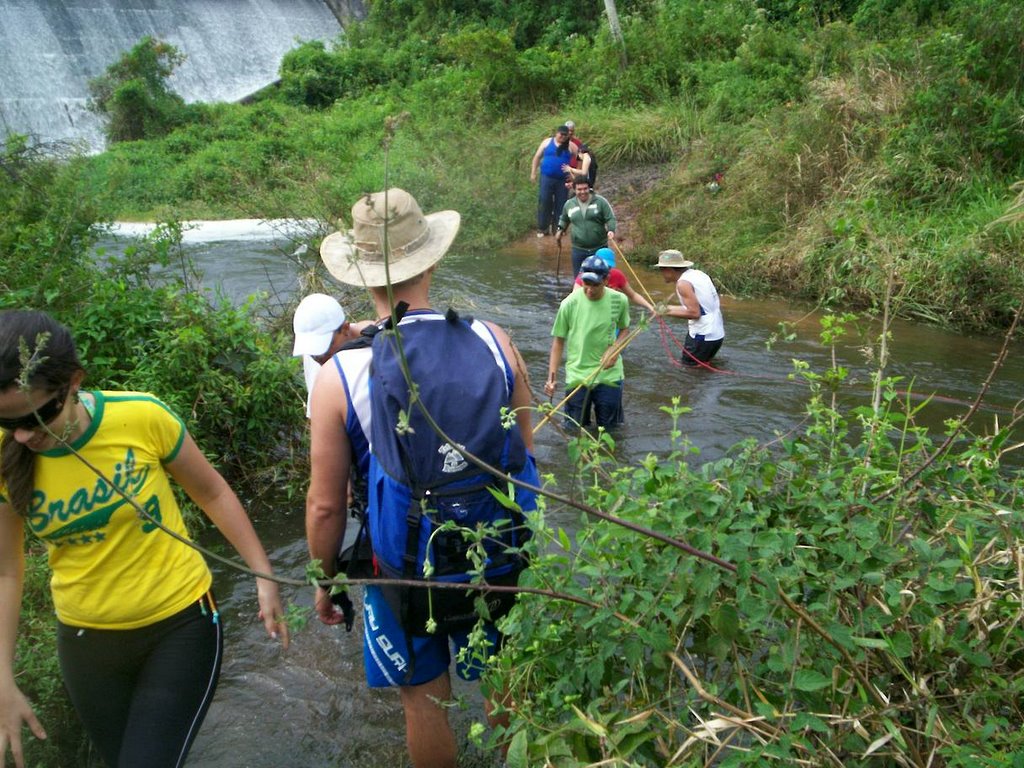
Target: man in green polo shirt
x: 587, y: 330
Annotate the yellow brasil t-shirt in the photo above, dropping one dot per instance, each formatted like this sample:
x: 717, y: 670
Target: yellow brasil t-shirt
x: 112, y: 568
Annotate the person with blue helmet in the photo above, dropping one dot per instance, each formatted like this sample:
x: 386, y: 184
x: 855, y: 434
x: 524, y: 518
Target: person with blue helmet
x: 608, y: 255
x: 618, y: 281
x: 586, y: 331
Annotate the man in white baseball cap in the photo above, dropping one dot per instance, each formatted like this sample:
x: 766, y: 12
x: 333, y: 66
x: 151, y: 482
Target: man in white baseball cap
x: 320, y: 330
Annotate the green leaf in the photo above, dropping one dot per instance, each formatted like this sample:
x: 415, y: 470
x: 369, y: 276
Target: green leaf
x: 727, y: 621
x: 803, y: 720
x: 872, y: 642
x: 810, y: 680
x: 517, y: 756
x: 978, y: 659
x: 901, y: 644
x: 563, y: 540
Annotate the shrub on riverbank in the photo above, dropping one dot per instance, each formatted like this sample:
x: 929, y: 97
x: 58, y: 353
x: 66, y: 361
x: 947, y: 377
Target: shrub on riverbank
x: 876, y: 174
x: 853, y: 600
x: 846, y: 141
x: 225, y: 370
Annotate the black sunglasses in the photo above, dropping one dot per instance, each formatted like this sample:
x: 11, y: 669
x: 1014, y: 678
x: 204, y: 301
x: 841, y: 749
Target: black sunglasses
x: 42, y: 415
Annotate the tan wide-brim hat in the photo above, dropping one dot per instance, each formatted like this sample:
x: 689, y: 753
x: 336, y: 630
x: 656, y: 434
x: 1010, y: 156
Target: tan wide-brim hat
x: 415, y: 241
x: 673, y: 259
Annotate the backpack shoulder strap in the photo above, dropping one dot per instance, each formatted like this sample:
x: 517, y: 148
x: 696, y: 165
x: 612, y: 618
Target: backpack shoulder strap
x: 365, y: 338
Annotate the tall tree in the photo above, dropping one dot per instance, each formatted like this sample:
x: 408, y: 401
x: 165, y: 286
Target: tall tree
x: 616, y: 30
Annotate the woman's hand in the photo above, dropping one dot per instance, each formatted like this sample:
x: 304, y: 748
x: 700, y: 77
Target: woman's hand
x: 15, y: 710
x: 271, y: 612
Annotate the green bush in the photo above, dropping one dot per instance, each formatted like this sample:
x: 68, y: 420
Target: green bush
x: 46, y: 215
x: 815, y: 602
x: 310, y: 76
x: 133, y: 94
x: 770, y: 68
x: 892, y: 17
x: 220, y: 367
x: 505, y: 79
x: 531, y: 24
x: 963, y: 116
x: 314, y: 77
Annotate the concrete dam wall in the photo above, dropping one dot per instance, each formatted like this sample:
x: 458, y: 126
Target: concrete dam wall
x: 49, y: 49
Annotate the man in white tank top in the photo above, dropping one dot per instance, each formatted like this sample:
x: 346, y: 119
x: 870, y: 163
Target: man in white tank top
x: 698, y: 303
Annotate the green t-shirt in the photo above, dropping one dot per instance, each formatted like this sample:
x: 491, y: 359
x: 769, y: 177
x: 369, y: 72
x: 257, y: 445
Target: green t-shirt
x: 589, y: 328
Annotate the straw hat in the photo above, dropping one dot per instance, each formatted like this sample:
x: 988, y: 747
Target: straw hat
x: 673, y: 259
x: 415, y: 241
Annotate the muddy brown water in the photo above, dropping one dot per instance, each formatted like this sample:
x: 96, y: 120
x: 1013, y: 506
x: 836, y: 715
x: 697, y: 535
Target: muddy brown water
x: 310, y: 706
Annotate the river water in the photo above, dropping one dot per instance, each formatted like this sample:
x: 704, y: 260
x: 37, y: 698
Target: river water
x: 310, y: 706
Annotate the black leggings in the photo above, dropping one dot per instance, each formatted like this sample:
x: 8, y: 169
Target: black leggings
x: 143, y: 693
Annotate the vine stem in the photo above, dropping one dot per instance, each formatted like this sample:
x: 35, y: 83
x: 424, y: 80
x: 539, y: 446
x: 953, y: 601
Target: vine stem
x: 328, y: 583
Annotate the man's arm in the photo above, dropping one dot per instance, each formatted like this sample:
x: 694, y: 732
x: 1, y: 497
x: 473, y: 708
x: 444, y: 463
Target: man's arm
x: 690, y: 308
x: 636, y: 298
x: 535, y: 166
x: 563, y: 221
x: 521, y: 396
x: 610, y: 222
x: 554, y: 363
x: 330, y: 461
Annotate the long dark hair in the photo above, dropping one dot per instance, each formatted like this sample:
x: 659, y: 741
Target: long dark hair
x: 38, y: 352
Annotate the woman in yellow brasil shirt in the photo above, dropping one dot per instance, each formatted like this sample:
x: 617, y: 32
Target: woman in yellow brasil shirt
x: 139, y: 637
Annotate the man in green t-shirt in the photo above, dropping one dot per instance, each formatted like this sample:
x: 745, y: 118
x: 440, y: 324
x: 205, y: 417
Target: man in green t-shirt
x: 586, y: 330
x: 593, y: 223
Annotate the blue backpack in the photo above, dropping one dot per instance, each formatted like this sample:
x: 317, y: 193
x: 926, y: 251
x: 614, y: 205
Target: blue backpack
x: 419, y: 480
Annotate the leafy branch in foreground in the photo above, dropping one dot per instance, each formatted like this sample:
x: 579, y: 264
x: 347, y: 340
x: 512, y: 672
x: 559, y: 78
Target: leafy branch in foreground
x: 843, y: 637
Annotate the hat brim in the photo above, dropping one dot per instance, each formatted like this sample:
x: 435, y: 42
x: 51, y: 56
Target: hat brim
x: 681, y: 265
x: 312, y: 343
x: 349, y: 265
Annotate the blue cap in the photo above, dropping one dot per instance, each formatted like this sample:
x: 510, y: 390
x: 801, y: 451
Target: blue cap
x: 607, y: 254
x: 593, y: 270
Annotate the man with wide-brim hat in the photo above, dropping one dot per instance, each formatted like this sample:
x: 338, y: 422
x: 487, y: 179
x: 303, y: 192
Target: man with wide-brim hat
x: 391, y: 221
x: 393, y: 241
x: 698, y: 303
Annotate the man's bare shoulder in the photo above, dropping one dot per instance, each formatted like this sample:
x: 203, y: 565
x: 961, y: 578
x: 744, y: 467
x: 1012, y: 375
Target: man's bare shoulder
x: 329, y: 398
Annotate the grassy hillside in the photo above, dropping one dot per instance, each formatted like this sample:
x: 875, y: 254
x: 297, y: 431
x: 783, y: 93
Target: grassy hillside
x: 856, y: 143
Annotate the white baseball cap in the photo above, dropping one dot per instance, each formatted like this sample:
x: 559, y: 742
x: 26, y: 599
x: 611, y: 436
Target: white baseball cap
x: 316, y: 319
